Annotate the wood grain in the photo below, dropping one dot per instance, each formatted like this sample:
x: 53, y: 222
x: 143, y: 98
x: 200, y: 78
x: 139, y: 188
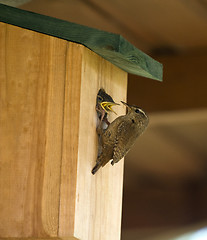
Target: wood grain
x: 32, y: 93
x: 70, y: 139
x: 99, y: 197
x: 96, y: 206
x: 48, y: 140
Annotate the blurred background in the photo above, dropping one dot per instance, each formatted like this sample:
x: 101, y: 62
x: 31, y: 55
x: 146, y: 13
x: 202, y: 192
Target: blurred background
x: 165, y: 181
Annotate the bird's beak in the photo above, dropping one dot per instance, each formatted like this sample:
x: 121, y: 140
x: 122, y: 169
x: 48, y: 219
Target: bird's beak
x: 107, y: 106
x: 127, y: 105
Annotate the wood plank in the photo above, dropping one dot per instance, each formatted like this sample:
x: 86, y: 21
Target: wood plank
x: 106, y: 17
x: 112, y: 47
x: 48, y: 140
x: 32, y: 73
x: 70, y: 139
x: 99, y: 195
x: 148, y: 24
x: 90, y: 206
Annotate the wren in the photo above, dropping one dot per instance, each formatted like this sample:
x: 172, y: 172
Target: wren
x: 120, y: 136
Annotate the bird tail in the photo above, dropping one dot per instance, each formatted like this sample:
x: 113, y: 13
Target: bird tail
x: 96, y: 168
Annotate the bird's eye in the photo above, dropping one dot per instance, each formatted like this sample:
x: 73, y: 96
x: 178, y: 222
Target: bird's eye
x: 100, y: 98
x: 137, y: 111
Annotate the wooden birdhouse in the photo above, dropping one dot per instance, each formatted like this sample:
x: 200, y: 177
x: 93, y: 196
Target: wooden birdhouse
x: 50, y: 73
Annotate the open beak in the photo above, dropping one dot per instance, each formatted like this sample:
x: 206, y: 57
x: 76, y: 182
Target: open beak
x: 107, y: 106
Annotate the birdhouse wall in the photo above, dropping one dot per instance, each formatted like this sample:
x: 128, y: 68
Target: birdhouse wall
x: 48, y: 140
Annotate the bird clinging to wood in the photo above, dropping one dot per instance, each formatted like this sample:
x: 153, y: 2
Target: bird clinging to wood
x: 120, y: 136
x: 104, y: 104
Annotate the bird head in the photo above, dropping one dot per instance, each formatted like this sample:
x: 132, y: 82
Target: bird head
x: 105, y: 101
x: 136, y: 112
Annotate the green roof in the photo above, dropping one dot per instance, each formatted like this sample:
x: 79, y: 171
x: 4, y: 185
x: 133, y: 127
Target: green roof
x: 112, y: 47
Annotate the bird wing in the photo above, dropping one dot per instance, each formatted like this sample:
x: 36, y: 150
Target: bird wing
x: 123, y: 141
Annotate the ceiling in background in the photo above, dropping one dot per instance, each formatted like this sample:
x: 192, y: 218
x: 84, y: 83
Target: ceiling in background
x: 151, y: 24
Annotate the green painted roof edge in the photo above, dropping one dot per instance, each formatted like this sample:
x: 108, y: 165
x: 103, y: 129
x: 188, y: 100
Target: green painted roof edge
x: 110, y: 46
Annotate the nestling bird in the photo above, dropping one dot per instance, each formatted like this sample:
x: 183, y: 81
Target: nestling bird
x: 120, y: 136
x: 104, y: 104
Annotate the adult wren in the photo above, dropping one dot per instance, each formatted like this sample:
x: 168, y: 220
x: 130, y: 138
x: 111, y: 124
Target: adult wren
x: 120, y: 136
x: 104, y: 104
